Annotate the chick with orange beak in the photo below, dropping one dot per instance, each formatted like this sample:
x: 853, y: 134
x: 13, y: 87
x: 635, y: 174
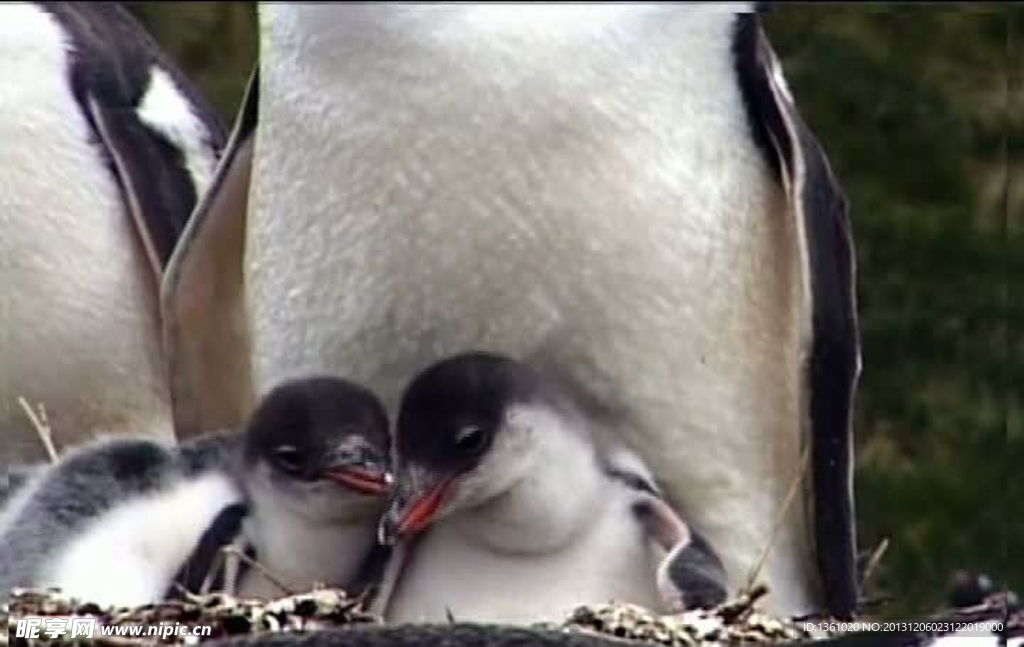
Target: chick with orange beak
x: 127, y: 520
x: 315, y: 469
x: 513, y: 505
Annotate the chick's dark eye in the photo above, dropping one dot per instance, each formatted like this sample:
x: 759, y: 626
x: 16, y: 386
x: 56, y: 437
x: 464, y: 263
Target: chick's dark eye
x: 469, y: 439
x: 287, y: 458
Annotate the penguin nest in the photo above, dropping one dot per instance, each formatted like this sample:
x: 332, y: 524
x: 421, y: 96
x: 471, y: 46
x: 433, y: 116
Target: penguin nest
x: 732, y: 623
x: 227, y: 616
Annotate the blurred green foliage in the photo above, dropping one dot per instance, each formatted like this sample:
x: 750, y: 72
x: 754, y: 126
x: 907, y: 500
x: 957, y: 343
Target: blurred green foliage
x: 914, y: 106
x: 215, y: 43
x: 922, y: 111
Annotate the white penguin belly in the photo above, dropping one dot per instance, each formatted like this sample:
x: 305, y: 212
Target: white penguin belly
x: 300, y: 557
x: 78, y: 312
x: 615, y: 217
x: 130, y: 555
x: 614, y: 561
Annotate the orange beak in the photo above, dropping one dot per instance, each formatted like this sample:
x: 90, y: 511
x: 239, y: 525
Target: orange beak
x: 412, y: 509
x: 365, y: 477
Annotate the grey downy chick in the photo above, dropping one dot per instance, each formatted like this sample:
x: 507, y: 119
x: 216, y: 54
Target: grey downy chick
x: 113, y: 520
x: 120, y: 520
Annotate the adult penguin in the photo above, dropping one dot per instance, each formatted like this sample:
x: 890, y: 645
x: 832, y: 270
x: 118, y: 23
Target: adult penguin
x: 106, y: 147
x: 626, y: 194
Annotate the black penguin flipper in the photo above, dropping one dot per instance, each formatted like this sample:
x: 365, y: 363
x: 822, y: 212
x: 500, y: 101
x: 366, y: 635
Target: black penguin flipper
x: 156, y: 188
x: 383, y: 571
x: 369, y: 581
x: 834, y: 363
x: 204, y: 319
x: 205, y: 564
x: 141, y: 108
x: 692, y: 576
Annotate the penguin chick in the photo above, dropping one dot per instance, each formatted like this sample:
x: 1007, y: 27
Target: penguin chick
x: 115, y: 518
x: 315, y: 471
x: 518, y: 503
x: 118, y: 521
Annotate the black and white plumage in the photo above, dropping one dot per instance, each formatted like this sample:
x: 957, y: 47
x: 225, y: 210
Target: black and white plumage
x: 121, y: 520
x: 113, y: 521
x: 107, y: 147
x: 691, y: 576
x: 527, y: 507
x: 628, y: 193
x: 315, y: 471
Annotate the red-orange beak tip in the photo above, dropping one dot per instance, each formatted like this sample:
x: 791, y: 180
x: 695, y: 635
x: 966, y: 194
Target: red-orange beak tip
x: 361, y: 480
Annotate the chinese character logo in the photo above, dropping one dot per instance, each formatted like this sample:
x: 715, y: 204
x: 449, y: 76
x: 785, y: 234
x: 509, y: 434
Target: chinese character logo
x: 28, y: 627
x: 56, y: 627
x: 82, y: 627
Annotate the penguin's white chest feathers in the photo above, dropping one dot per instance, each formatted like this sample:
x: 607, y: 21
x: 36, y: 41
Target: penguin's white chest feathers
x: 599, y: 202
x: 450, y: 570
x: 301, y: 548
x: 130, y: 555
x: 300, y: 557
